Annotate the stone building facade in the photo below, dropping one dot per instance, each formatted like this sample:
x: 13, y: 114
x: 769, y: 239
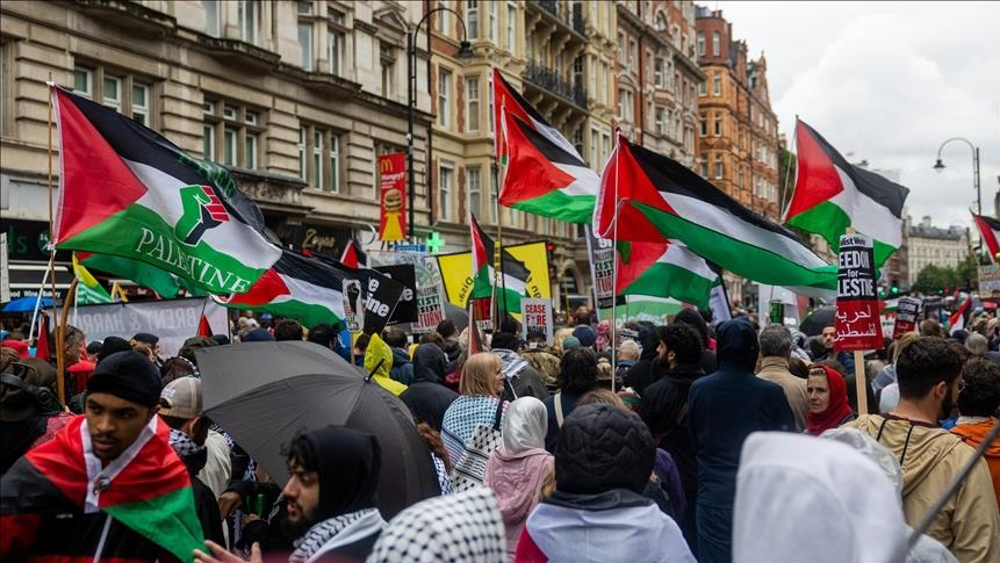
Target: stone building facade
x: 658, y: 77
x: 929, y: 245
x: 296, y: 97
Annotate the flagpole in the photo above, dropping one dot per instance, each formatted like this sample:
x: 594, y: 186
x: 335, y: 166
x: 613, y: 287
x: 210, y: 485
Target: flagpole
x: 614, y: 270
x: 499, y: 257
x: 59, y: 328
x: 788, y: 171
x: 38, y: 300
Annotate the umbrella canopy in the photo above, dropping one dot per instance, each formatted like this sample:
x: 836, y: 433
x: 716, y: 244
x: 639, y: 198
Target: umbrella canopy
x: 26, y: 304
x: 814, y: 323
x: 266, y: 393
x: 457, y: 315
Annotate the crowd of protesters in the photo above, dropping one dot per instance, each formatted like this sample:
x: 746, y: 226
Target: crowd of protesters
x: 696, y: 442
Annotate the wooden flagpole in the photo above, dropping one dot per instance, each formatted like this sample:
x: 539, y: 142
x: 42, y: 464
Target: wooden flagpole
x: 788, y: 172
x: 614, y: 272
x: 60, y: 323
x: 860, y: 381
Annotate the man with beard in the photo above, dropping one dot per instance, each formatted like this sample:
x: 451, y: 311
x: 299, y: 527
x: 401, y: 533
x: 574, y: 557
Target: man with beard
x: 329, y: 499
x: 928, y: 372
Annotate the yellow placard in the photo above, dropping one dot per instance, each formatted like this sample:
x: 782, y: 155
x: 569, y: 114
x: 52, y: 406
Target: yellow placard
x: 456, y: 272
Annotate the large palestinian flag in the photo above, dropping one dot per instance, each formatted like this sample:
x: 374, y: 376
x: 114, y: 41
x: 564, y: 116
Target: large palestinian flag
x: 148, y: 491
x: 126, y: 191
x: 515, y: 274
x: 296, y: 287
x: 832, y: 195
x: 989, y: 229
x: 664, y: 270
x: 545, y: 175
x: 663, y: 200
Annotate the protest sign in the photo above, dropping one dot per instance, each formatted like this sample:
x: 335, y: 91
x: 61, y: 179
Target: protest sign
x: 406, y: 310
x: 906, y: 316
x: 173, y: 320
x: 989, y: 282
x: 536, y: 314
x: 353, y: 304
x: 456, y: 272
x: 429, y: 293
x: 482, y: 313
x: 383, y: 295
x: 392, y: 195
x: 858, y: 326
x: 602, y: 260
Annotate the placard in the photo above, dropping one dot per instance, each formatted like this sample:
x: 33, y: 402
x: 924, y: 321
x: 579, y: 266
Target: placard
x: 602, y: 260
x: 906, y: 316
x: 536, y: 314
x: 989, y: 282
x: 392, y: 190
x: 382, y: 299
x: 353, y: 304
x: 857, y: 321
x: 430, y: 295
x: 482, y: 312
x: 406, y: 310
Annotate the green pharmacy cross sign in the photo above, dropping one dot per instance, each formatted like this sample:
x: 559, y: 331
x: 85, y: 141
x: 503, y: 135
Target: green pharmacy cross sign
x: 434, y: 242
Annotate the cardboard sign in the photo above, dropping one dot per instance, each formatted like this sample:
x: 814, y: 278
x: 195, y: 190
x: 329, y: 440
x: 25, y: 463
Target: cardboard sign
x: 989, y: 282
x: 392, y: 190
x: 536, y: 314
x: 406, y: 310
x: 906, y: 316
x: 602, y: 260
x: 482, y: 312
x: 858, y: 324
x: 173, y: 320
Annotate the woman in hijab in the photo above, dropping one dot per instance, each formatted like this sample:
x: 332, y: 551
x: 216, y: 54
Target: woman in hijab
x: 517, y: 469
x: 828, y: 406
x: 480, y: 387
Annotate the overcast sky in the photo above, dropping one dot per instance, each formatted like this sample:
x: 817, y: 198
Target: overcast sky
x: 889, y: 82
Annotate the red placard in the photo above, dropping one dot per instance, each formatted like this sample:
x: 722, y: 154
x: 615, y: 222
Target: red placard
x: 392, y: 195
x: 858, y: 324
x: 906, y: 316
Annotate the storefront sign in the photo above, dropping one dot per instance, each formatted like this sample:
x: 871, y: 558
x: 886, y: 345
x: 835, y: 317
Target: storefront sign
x: 392, y: 189
x: 858, y: 324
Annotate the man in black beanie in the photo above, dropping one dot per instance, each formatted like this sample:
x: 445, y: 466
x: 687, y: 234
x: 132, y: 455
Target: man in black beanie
x: 122, y: 396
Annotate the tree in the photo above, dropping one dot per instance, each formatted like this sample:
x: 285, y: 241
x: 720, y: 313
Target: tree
x: 967, y: 272
x: 934, y: 278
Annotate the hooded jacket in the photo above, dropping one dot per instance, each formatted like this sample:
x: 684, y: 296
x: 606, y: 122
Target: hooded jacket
x: 517, y: 470
x: 973, y: 434
x: 750, y: 404
x: 378, y: 359
x: 427, y: 397
x: 402, y: 367
x: 968, y: 524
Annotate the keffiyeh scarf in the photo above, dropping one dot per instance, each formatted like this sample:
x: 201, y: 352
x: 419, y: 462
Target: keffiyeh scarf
x: 512, y: 362
x: 336, y: 532
x: 183, y: 445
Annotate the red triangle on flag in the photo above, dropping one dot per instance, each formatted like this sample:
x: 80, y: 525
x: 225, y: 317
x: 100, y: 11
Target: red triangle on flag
x: 42, y: 344
x: 204, y: 329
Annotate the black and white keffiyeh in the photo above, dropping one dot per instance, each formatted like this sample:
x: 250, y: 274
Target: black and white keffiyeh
x: 336, y: 532
x: 459, y: 528
x: 511, y: 363
x: 183, y: 445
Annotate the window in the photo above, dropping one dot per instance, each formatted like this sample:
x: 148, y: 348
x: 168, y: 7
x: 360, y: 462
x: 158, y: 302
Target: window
x: 444, y: 98
x: 717, y: 128
x: 446, y: 178
x: 211, y: 17
x: 335, y: 45
x: 701, y: 44
x: 702, y: 88
x: 317, y: 159
x: 606, y: 141
x: 472, y: 180
x: 388, y: 70
x: 633, y: 55
x: 208, y: 143
x: 658, y: 71
x: 472, y: 19
x: 622, y: 53
x: 716, y: 84
x: 490, y: 110
x: 660, y: 122
x: 334, y: 163
x: 715, y: 43
x: 512, y: 28
x: 112, y: 92
x: 251, y: 151
x: 472, y: 104
x: 595, y: 138
x: 232, y: 134
x: 83, y: 82
x: 229, y: 146
x: 443, y: 18
x: 704, y: 125
x: 494, y: 22
x: 704, y: 168
x: 248, y: 14
x: 306, y: 42
x: 718, y: 167
x: 140, y: 103
x: 303, y: 134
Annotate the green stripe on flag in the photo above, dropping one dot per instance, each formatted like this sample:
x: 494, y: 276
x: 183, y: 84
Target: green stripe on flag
x: 741, y: 258
x: 558, y: 205
x: 86, y: 295
x: 669, y: 280
x: 168, y: 520
x: 829, y: 221
x: 308, y: 314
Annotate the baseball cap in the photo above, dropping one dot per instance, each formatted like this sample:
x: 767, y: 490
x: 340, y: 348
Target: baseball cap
x: 181, y: 398
x: 146, y: 338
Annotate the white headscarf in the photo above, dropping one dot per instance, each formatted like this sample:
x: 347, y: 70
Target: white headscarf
x: 524, y: 426
x: 828, y: 487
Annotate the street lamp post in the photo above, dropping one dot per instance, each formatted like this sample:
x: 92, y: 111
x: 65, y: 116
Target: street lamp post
x: 464, y: 51
x: 939, y: 167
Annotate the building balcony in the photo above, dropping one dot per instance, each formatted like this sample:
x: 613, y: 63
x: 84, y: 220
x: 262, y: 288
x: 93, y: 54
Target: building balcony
x: 550, y: 81
x: 570, y: 20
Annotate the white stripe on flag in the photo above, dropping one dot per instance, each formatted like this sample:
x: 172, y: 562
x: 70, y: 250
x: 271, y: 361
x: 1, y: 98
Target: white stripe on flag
x: 305, y: 292
x: 586, y: 181
x: 683, y: 257
x: 867, y: 215
x: 510, y: 282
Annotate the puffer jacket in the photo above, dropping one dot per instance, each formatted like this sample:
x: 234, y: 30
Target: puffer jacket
x: 516, y: 480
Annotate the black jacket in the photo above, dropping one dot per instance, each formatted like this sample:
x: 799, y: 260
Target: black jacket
x: 427, y: 397
x: 205, y: 503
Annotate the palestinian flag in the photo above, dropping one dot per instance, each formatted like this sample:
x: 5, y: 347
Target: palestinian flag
x: 989, y: 229
x: 164, y: 283
x: 88, y: 289
x: 959, y: 319
x: 832, y: 195
x: 664, y: 270
x: 296, y: 287
x: 545, y: 175
x: 664, y: 200
x: 148, y: 491
x: 126, y: 191
x: 515, y: 274
x: 353, y: 256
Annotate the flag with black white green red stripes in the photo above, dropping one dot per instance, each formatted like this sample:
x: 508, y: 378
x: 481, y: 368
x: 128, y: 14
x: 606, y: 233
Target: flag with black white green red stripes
x: 510, y: 285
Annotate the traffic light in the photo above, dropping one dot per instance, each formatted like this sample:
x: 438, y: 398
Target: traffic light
x: 895, y: 289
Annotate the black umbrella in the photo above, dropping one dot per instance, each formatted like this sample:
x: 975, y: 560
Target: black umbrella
x: 820, y: 317
x: 457, y: 315
x: 265, y: 393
